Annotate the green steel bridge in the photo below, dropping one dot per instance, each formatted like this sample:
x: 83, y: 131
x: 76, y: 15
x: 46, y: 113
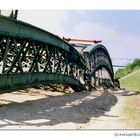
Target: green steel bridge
x: 31, y: 56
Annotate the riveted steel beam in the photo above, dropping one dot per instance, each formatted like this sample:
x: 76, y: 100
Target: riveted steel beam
x: 24, y: 80
x: 42, y: 57
x: 19, y: 29
x: 5, y: 54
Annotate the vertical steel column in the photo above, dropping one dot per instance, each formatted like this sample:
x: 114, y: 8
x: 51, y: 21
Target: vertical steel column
x: 5, y: 54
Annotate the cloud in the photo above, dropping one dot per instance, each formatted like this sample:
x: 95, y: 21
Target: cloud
x: 120, y: 45
x: 50, y: 20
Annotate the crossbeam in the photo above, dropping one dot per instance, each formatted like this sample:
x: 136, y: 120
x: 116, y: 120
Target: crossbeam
x: 82, y: 40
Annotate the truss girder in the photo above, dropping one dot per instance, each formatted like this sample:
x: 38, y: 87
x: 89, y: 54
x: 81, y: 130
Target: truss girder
x: 28, y: 51
x: 99, y: 61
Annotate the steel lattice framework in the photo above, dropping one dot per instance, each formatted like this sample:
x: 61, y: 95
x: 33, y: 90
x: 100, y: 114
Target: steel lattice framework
x: 98, y: 64
x: 30, y: 56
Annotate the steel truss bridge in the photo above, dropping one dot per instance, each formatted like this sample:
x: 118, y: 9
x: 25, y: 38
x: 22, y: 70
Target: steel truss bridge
x: 31, y: 56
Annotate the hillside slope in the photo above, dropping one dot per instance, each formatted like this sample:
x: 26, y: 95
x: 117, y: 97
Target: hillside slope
x: 131, y: 81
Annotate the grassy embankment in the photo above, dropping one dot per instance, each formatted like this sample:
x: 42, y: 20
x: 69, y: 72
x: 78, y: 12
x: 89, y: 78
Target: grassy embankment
x: 129, y: 78
x: 131, y: 81
x: 132, y: 106
x: 132, y: 111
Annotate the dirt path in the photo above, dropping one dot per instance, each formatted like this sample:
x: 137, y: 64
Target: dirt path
x: 112, y: 119
x: 39, y: 109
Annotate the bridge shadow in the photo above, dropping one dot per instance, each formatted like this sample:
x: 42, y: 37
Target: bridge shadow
x: 76, y: 108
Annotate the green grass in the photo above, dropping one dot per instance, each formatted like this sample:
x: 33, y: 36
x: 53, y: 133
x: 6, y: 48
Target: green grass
x: 131, y: 82
x: 135, y: 65
x: 132, y: 107
x: 132, y: 111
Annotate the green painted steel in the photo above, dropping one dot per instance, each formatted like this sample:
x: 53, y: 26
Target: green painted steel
x: 20, y: 39
x: 24, y: 80
x: 99, y: 66
x: 101, y: 47
x: 18, y: 29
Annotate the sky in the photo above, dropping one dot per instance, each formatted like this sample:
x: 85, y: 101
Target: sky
x: 118, y: 29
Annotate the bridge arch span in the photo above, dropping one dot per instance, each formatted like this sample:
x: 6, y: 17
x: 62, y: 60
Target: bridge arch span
x: 30, y: 55
x: 101, y: 47
x: 99, y: 62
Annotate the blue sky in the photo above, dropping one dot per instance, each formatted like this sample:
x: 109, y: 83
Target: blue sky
x: 126, y: 21
x: 118, y: 29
